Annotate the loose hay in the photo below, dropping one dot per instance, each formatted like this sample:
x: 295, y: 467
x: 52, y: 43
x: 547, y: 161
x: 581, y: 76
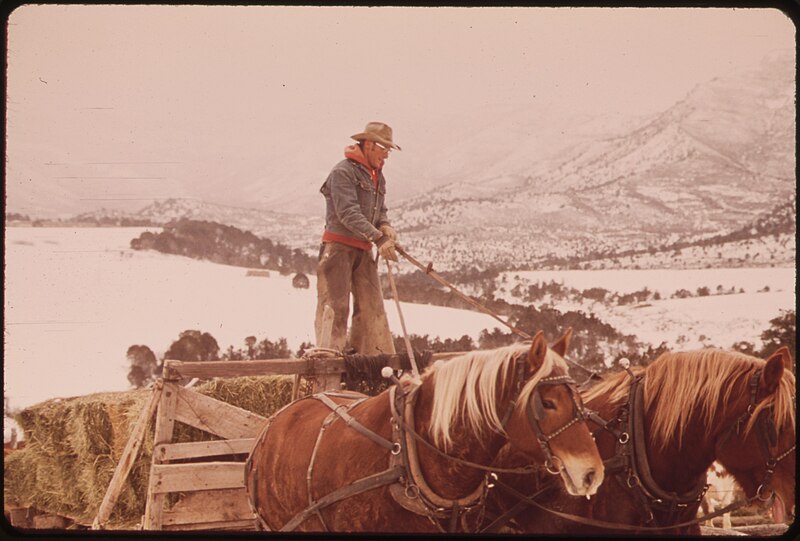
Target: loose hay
x: 74, y: 445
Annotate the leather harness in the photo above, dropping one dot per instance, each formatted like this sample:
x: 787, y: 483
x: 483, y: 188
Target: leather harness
x: 630, y: 467
x: 407, y: 485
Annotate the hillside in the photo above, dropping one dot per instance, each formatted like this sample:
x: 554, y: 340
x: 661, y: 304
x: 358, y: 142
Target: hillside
x: 290, y: 229
x: 683, y: 187
x: 767, y: 241
x: 721, y: 156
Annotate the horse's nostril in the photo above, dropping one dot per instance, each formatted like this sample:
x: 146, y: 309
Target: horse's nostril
x: 588, y: 479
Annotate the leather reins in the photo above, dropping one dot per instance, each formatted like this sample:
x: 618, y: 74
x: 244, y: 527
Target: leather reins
x: 630, y: 466
x: 434, y: 506
x: 766, y: 435
x: 404, y: 474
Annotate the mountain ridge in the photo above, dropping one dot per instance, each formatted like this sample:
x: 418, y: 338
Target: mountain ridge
x: 721, y: 156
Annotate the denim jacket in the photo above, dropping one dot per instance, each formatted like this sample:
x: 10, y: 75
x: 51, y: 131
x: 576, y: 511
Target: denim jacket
x: 352, y: 205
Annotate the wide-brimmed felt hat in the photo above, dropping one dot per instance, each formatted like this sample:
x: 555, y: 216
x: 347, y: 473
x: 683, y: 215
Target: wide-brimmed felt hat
x: 377, y: 132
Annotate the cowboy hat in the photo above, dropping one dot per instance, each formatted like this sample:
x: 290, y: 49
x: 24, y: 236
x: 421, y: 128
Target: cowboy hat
x: 377, y: 132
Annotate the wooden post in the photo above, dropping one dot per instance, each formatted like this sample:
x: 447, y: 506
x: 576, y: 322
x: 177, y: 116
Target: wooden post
x: 165, y: 423
x: 127, y: 459
x: 327, y: 382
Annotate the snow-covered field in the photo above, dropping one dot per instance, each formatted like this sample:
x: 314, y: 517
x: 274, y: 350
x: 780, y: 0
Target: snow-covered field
x: 683, y: 323
x: 665, y: 281
x: 76, y: 299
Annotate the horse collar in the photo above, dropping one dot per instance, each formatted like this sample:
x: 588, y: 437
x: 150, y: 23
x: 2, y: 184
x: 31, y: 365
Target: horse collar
x: 412, y: 491
x: 636, y: 474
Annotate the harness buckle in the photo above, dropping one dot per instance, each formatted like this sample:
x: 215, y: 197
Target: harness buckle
x: 624, y: 438
x: 632, y: 480
x: 760, y: 496
x: 548, y: 464
x: 396, y: 448
x: 411, y: 492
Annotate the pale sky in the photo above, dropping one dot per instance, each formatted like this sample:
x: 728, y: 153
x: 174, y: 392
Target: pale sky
x: 116, y: 105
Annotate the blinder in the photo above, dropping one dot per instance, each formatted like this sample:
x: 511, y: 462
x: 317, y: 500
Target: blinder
x: 535, y: 409
x: 536, y: 406
x: 769, y: 430
x: 766, y: 435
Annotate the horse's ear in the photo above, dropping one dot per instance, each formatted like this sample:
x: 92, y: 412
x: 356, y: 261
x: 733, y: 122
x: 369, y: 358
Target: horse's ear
x: 538, y: 351
x: 773, y: 371
x: 562, y: 344
x: 784, y: 352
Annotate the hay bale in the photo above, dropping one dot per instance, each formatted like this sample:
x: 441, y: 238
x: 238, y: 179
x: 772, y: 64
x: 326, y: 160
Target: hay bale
x: 19, y: 478
x: 74, y: 445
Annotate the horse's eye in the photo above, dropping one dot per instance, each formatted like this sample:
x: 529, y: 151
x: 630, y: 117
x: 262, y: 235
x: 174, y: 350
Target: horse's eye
x: 548, y: 404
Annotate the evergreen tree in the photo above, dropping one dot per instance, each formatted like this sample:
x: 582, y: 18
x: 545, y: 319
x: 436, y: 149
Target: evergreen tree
x: 144, y: 366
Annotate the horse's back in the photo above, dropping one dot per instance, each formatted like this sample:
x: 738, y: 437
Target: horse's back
x: 308, y: 439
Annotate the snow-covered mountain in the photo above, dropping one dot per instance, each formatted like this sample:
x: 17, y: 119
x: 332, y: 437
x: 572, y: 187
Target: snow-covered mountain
x: 709, y: 164
x: 531, y: 185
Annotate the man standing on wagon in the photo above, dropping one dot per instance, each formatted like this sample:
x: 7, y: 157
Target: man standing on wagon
x: 355, y: 219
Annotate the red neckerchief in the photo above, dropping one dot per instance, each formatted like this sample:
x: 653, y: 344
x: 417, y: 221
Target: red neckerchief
x: 353, y: 152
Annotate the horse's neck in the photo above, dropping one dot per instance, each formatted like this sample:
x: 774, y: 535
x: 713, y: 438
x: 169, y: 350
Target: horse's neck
x: 680, y: 469
x: 674, y: 469
x: 447, y: 477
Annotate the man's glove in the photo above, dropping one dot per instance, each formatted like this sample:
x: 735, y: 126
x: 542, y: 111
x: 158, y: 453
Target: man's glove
x: 389, y: 231
x: 386, y: 248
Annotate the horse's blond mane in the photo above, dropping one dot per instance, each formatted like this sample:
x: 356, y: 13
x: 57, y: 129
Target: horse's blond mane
x: 466, y: 387
x: 613, y: 387
x: 696, y: 381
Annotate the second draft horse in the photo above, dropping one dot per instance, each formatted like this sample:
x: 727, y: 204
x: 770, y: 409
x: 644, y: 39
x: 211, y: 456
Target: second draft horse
x: 659, y: 428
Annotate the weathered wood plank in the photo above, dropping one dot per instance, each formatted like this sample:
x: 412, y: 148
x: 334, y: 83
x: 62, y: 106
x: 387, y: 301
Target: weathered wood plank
x: 266, y: 367
x: 21, y: 517
x: 218, y: 418
x: 201, y: 476
x: 197, y: 449
x: 165, y: 423
x: 232, y: 525
x: 269, y: 367
x: 127, y: 459
x: 210, y: 506
x: 763, y: 530
x: 51, y: 521
x: 707, y: 531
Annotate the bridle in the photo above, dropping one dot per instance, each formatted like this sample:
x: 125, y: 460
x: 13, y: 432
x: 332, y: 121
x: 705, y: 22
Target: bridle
x: 630, y: 467
x: 414, y: 486
x: 535, y: 411
x: 766, y: 435
x: 404, y: 476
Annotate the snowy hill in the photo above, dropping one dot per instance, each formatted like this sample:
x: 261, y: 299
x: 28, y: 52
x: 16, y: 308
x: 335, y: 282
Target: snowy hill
x: 720, y: 157
x: 532, y: 186
x: 294, y: 230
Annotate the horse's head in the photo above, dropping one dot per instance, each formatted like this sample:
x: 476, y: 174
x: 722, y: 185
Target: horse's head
x: 547, y: 422
x: 758, y: 449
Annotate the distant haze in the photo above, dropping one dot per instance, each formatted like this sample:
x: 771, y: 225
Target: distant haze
x: 117, y: 106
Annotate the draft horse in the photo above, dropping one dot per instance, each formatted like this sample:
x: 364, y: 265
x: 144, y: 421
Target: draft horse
x: 415, y: 458
x: 659, y: 428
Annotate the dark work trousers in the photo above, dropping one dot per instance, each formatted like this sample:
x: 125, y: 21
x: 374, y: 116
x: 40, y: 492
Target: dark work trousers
x: 344, y: 270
